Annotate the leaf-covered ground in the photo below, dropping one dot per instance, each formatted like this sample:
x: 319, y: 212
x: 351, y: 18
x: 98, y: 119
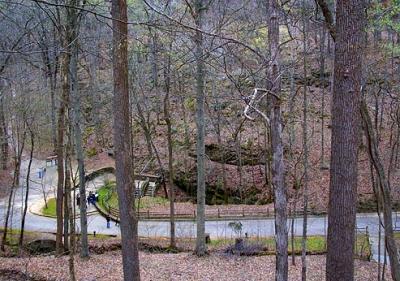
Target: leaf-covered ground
x: 182, y: 266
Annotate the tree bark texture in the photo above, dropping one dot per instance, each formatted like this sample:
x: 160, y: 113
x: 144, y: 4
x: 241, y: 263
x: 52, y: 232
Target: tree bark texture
x: 60, y: 143
x: 278, y: 168
x: 345, y: 140
x: 122, y: 143
x: 28, y: 179
x: 76, y: 118
x: 3, y: 135
x: 384, y: 185
x: 200, y: 150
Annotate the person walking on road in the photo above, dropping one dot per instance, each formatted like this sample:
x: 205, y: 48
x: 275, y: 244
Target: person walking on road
x: 108, y: 219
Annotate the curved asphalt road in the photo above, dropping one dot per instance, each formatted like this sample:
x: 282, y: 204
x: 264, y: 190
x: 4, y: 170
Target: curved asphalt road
x: 216, y: 229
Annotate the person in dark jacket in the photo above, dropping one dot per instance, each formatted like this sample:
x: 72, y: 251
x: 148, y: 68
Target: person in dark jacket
x: 108, y: 219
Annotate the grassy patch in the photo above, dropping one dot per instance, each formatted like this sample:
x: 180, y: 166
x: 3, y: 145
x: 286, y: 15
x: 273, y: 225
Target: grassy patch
x: 51, y: 208
x: 108, y: 197
x: 315, y: 244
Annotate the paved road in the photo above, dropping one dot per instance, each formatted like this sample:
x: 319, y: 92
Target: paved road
x: 216, y: 229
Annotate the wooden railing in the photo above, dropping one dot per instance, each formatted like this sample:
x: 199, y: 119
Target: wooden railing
x: 210, y: 214
x: 214, y: 213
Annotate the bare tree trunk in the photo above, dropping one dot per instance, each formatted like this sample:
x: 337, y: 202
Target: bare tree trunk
x: 76, y: 118
x: 60, y: 147
x: 200, y: 151
x: 305, y: 150
x: 122, y: 143
x: 292, y: 232
x: 218, y: 130
x: 291, y: 143
x: 384, y: 184
x: 278, y: 168
x: 322, y: 83
x: 67, y: 194
x: 167, y: 116
x: 3, y: 134
x: 15, y: 184
x: 28, y: 178
x: 71, y: 217
x: 345, y: 140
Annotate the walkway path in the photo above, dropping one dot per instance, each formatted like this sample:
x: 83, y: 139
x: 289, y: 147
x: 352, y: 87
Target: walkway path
x: 216, y: 229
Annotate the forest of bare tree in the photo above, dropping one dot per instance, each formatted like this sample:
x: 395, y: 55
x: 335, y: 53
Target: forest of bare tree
x: 200, y: 140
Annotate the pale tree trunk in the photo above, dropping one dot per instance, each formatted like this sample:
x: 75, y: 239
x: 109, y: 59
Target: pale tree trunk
x: 76, y: 118
x: 28, y: 178
x: 60, y: 147
x: 53, y: 86
x: 71, y: 218
x: 167, y: 116
x: 384, y: 184
x: 67, y: 194
x: 200, y: 150
x: 349, y: 41
x: 20, y: 144
x: 122, y: 143
x: 278, y: 169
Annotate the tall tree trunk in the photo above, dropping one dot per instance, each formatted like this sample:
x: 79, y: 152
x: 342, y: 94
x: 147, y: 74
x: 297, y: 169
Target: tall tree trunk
x: 67, y: 194
x: 167, y: 116
x: 28, y: 179
x: 322, y: 83
x: 60, y: 146
x: 76, y: 117
x: 17, y: 169
x: 3, y: 134
x: 384, y: 185
x: 345, y: 139
x: 200, y: 151
x: 71, y: 217
x: 278, y: 168
x: 305, y: 149
x: 122, y: 143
